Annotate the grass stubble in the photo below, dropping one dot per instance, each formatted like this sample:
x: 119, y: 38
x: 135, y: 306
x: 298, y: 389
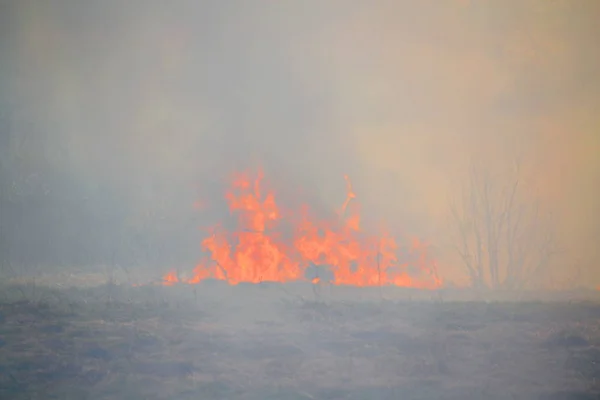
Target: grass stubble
x: 270, y: 341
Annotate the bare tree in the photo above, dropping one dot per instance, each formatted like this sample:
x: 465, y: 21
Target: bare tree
x: 503, y: 240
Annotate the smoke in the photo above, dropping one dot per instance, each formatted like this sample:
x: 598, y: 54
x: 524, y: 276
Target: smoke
x: 153, y: 105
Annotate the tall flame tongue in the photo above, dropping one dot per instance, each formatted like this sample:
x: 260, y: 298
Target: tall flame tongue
x: 257, y: 252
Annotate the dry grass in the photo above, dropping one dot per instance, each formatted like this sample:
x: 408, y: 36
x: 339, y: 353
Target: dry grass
x: 274, y: 342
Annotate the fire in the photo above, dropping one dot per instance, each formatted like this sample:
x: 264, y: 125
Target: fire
x: 170, y: 279
x: 265, y: 246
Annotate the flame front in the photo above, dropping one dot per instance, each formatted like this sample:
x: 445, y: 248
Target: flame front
x: 267, y: 247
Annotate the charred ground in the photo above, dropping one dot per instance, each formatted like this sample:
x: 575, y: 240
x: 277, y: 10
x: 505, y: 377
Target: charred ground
x: 272, y: 341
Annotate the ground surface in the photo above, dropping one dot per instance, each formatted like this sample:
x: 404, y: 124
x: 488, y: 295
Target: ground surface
x: 267, y: 341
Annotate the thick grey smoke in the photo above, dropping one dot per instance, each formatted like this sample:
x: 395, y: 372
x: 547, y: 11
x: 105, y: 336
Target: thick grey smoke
x: 117, y: 116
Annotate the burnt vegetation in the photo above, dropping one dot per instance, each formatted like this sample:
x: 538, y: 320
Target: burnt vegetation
x: 254, y: 342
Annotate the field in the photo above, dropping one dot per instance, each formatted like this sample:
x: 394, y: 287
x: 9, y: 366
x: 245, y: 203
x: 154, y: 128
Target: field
x: 294, y: 341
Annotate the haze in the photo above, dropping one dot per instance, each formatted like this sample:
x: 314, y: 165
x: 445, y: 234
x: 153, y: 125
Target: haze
x: 118, y: 116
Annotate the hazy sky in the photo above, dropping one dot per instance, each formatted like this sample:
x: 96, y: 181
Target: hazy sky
x: 400, y: 95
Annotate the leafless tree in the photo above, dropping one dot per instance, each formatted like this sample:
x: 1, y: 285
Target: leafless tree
x: 503, y: 239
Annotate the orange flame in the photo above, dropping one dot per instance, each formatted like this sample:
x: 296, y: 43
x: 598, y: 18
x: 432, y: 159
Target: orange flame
x: 257, y: 252
x: 170, y: 279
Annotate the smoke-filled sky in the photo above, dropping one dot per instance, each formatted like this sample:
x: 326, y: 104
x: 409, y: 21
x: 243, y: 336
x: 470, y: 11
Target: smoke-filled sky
x: 400, y: 95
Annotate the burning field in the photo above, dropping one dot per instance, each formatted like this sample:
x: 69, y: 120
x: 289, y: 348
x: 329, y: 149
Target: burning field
x: 299, y: 200
x: 286, y: 305
x: 268, y: 243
